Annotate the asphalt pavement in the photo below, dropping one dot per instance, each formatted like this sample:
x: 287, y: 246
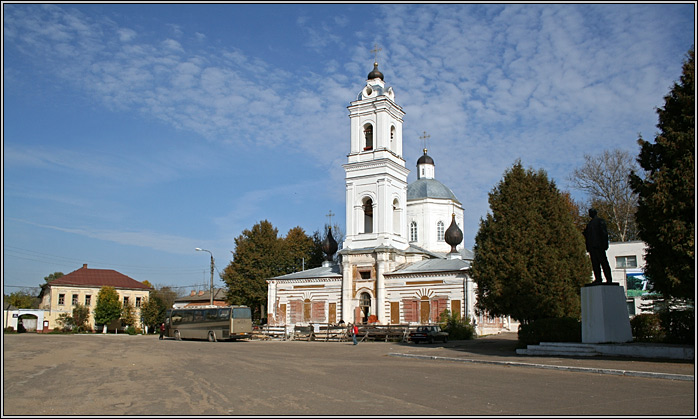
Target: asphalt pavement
x: 501, y: 349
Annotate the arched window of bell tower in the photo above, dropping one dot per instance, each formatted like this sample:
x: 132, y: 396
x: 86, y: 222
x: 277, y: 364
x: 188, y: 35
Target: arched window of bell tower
x: 368, y: 215
x: 396, y: 216
x: 413, y: 231
x: 368, y: 137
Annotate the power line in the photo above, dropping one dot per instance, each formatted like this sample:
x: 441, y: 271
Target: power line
x: 26, y: 254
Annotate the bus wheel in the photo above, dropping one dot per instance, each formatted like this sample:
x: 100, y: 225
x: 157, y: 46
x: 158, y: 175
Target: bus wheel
x: 211, y: 337
x: 177, y: 335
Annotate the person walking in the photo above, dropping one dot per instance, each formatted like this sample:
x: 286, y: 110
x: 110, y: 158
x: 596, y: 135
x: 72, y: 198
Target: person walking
x: 162, y: 331
x: 355, y: 331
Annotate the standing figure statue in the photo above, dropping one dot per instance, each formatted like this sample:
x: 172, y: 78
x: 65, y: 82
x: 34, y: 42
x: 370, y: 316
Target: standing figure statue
x: 596, y: 236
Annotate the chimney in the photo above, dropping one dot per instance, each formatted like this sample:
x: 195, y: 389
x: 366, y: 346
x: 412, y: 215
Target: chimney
x: 201, y: 293
x: 84, y: 266
x: 193, y: 293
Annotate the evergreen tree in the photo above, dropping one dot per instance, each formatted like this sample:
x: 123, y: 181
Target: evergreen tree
x: 530, y: 260
x: 666, y: 208
x: 108, y: 307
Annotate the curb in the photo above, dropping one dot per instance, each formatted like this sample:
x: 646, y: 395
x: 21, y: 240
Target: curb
x: 644, y: 374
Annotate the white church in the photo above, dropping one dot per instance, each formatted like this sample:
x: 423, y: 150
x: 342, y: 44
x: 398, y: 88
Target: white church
x: 402, y: 260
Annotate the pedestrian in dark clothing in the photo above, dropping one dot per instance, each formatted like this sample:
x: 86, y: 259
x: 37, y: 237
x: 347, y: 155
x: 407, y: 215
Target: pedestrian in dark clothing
x: 162, y: 331
x: 596, y: 237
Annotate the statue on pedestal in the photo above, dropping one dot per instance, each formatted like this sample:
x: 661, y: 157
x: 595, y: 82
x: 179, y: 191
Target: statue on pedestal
x: 596, y: 236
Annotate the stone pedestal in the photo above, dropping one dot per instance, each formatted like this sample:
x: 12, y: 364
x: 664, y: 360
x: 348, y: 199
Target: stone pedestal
x: 605, y: 314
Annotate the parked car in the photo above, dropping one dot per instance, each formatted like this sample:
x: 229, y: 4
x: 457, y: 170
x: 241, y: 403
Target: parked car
x: 428, y: 334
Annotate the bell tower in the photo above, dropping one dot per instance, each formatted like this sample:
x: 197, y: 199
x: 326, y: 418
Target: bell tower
x: 376, y: 177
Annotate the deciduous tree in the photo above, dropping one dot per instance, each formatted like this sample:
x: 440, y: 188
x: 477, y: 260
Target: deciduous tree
x: 108, y: 307
x: 261, y: 254
x: 530, y: 260
x: 605, y: 179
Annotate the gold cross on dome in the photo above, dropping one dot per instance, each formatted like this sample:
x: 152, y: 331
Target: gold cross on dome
x: 375, y: 52
x: 330, y: 215
x: 424, y: 139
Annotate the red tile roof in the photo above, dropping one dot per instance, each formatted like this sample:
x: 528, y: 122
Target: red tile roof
x: 98, y: 278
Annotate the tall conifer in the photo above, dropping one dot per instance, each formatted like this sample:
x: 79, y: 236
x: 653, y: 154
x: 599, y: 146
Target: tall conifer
x: 666, y: 208
x: 530, y: 260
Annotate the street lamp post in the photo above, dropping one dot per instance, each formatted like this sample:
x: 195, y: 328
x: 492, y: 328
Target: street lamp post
x: 209, y: 252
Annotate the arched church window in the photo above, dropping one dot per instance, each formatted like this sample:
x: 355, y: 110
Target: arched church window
x: 368, y: 136
x: 368, y: 216
x: 440, y: 231
x: 413, y: 231
x: 396, y: 217
x: 365, y: 304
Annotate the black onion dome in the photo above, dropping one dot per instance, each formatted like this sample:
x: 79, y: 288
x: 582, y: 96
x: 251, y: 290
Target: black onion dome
x: 453, y: 235
x: 329, y: 246
x: 375, y: 74
x: 425, y: 159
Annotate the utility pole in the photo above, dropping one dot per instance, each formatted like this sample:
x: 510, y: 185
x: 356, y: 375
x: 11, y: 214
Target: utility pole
x: 212, y: 263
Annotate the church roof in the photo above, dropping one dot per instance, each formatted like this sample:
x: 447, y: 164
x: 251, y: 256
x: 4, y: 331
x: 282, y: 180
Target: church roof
x: 429, y: 188
x: 331, y: 271
x: 432, y: 265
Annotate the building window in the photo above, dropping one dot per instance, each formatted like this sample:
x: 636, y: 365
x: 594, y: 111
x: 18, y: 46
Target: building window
x: 61, y: 299
x: 125, y: 301
x: 75, y: 300
x: 138, y: 301
x: 626, y: 262
x: 368, y: 136
x: 413, y: 231
x: 368, y: 216
x: 365, y: 274
x: 88, y: 300
x: 440, y: 231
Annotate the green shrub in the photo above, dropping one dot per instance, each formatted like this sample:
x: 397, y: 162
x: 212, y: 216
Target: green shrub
x: 131, y: 330
x: 646, y: 327
x: 458, y: 328
x: 678, y: 326
x: 9, y: 329
x: 563, y: 329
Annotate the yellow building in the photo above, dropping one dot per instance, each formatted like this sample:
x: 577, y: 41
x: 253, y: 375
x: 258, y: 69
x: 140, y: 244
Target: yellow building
x: 82, y: 286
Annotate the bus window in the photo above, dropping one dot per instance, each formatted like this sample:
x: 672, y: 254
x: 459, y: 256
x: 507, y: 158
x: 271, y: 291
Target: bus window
x: 211, y: 315
x: 198, y: 315
x: 224, y: 313
x: 185, y: 316
x: 242, y: 313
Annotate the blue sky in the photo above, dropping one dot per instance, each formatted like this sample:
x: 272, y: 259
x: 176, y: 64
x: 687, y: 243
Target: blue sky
x: 134, y: 133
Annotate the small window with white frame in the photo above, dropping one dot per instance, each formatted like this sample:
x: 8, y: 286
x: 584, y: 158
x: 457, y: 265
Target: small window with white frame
x: 440, y: 231
x: 623, y: 262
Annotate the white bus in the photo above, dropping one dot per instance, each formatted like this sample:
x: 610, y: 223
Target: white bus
x: 212, y: 323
